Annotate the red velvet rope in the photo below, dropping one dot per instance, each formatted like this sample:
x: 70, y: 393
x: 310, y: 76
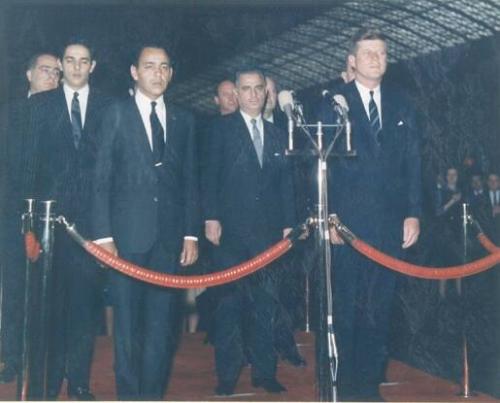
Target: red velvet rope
x: 430, y: 273
x: 198, y: 281
x: 32, y: 246
x: 487, y: 244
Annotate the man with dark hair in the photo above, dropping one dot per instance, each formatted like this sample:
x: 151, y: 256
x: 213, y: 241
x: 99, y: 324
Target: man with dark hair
x: 42, y: 74
x: 64, y: 131
x: 145, y: 208
x: 377, y: 195
x: 248, y: 206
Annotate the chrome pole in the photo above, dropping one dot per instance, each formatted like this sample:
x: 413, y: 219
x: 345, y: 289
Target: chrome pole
x: 24, y: 378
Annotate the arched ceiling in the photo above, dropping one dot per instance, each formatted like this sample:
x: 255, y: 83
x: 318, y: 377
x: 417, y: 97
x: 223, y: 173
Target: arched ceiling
x: 314, y: 52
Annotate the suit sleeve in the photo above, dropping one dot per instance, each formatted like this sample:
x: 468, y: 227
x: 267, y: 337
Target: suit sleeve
x: 191, y: 185
x: 414, y: 166
x: 103, y: 175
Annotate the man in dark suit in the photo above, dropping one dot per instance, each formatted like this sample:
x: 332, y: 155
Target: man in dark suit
x: 42, y: 74
x: 64, y: 129
x: 378, y: 195
x: 248, y: 206
x: 494, y: 199
x: 145, y: 208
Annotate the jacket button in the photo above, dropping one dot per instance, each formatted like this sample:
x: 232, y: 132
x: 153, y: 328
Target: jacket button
x: 155, y: 199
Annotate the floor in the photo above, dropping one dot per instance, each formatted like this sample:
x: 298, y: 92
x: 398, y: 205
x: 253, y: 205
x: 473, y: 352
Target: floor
x: 193, y: 378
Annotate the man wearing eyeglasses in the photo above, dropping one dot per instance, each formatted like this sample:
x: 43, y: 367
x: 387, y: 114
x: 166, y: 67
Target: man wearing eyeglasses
x: 43, y: 74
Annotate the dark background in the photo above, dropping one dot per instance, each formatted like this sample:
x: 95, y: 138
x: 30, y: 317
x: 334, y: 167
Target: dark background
x: 456, y: 90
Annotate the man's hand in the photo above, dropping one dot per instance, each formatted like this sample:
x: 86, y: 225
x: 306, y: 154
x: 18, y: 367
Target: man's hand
x: 109, y: 247
x: 213, y: 231
x: 286, y: 231
x: 411, y: 231
x: 189, y: 253
x: 335, y: 238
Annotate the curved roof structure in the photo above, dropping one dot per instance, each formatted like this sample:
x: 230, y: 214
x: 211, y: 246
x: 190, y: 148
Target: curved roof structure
x: 314, y: 52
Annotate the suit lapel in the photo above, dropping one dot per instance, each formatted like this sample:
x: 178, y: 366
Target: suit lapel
x: 138, y: 130
x: 63, y: 122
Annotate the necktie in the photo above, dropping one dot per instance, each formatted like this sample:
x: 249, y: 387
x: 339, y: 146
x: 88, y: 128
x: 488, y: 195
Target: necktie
x: 76, y: 120
x: 157, y: 134
x: 257, y: 140
x: 374, y: 116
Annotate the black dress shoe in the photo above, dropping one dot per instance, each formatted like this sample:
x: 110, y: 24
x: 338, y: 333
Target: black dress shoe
x: 270, y: 385
x: 80, y: 393
x: 295, y: 359
x: 8, y: 374
x: 225, y: 389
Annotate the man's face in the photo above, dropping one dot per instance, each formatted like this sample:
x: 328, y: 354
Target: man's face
x: 152, y: 73
x: 77, y: 65
x: 369, y: 62
x: 451, y: 177
x: 476, y: 183
x: 493, y: 182
x: 251, y: 93
x: 226, y: 98
x: 44, y: 75
x: 271, y: 94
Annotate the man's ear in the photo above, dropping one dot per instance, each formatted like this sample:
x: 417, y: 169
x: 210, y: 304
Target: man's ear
x: 28, y: 75
x: 133, y: 72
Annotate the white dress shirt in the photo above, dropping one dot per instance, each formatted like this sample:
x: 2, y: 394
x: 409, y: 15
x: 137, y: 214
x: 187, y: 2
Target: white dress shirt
x: 144, y: 106
x: 365, y: 97
x: 83, y: 98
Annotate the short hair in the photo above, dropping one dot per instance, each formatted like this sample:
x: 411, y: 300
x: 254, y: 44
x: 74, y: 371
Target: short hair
x: 216, y: 87
x: 136, y: 55
x: 78, y: 40
x: 32, y: 61
x: 365, y: 34
x: 248, y: 70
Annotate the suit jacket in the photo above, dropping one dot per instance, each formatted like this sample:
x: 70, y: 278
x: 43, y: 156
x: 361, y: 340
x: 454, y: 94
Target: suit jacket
x: 63, y: 172
x: 253, y: 204
x: 135, y: 202
x: 376, y: 190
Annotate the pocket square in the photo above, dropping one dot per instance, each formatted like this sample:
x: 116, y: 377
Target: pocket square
x: 401, y: 123
x: 277, y: 154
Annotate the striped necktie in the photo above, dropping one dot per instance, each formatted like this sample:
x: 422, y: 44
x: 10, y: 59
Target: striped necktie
x: 374, y: 116
x: 76, y: 120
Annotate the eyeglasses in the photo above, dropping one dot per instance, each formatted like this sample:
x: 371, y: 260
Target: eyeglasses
x: 49, y: 71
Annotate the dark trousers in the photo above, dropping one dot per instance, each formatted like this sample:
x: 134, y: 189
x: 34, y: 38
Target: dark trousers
x: 246, y: 306
x: 144, y: 327
x: 363, y: 296
x: 76, y: 302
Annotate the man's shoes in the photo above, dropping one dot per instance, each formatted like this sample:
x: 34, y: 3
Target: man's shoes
x: 270, y: 385
x: 79, y: 393
x: 295, y: 359
x: 224, y: 389
x: 8, y: 374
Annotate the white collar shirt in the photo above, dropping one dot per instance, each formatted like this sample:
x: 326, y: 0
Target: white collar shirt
x: 83, y: 98
x: 144, y: 105
x: 364, y: 92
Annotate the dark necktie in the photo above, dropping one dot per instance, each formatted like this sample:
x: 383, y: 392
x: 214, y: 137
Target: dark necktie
x: 157, y: 134
x: 257, y: 140
x: 374, y: 116
x: 76, y: 120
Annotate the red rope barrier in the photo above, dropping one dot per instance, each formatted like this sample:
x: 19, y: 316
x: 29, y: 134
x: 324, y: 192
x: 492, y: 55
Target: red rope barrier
x: 430, y: 273
x: 487, y: 244
x: 198, y: 281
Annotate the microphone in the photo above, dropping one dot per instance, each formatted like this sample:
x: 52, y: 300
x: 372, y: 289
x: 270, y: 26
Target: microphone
x: 286, y: 102
x: 340, y: 105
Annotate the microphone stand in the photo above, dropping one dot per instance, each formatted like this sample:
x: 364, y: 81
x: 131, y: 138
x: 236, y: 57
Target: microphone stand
x: 326, y: 377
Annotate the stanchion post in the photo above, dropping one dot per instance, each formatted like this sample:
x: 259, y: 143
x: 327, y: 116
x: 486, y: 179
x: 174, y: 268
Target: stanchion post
x: 24, y: 375
x: 465, y: 392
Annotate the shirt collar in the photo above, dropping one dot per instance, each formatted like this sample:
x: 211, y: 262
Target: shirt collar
x: 82, y: 92
x: 365, y: 91
x: 248, y: 118
x: 144, y: 102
